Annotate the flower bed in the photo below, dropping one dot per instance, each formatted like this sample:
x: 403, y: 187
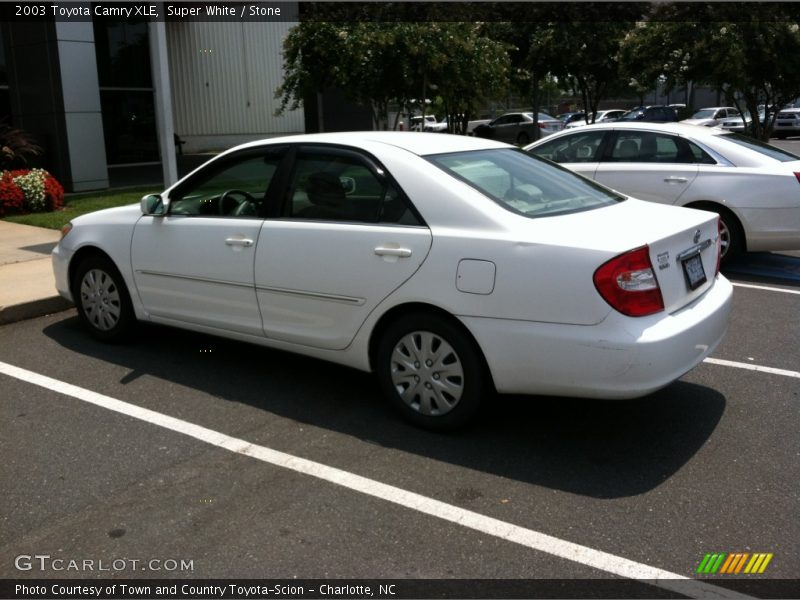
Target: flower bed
x: 29, y: 190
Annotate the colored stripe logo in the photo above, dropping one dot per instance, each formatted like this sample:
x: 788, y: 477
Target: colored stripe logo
x: 734, y: 563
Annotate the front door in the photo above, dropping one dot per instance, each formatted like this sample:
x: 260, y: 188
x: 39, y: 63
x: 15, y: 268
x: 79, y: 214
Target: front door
x: 195, y: 265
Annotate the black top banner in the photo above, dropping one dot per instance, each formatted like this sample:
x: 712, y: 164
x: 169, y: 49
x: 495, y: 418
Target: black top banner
x: 378, y: 11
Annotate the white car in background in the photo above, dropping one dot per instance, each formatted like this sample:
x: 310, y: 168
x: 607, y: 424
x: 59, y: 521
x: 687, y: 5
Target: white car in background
x: 787, y: 123
x: 600, y: 117
x: 754, y: 187
x: 712, y: 116
x: 450, y: 266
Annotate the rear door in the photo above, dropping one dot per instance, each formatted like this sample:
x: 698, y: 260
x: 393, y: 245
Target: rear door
x: 345, y: 238
x: 649, y: 165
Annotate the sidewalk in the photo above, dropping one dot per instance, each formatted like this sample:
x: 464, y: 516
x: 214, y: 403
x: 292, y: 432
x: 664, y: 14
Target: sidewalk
x: 27, y: 286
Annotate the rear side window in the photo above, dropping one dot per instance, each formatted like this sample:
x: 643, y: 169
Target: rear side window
x: 525, y: 184
x: 651, y: 147
x: 340, y: 187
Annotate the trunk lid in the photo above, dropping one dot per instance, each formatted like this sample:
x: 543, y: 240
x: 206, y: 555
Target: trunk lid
x: 674, y: 237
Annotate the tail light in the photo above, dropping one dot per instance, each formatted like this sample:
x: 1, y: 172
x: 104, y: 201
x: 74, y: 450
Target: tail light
x: 628, y: 283
x: 798, y: 176
x: 543, y: 126
x: 719, y: 245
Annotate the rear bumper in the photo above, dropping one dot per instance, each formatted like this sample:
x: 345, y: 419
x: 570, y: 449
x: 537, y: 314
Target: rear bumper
x: 621, y: 357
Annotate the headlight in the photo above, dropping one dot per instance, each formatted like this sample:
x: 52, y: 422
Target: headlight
x: 65, y: 230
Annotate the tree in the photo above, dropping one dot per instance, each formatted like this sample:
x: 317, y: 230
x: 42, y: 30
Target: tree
x: 377, y: 64
x: 742, y: 50
x: 587, y: 50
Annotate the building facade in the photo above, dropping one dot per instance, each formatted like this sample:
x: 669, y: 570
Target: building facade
x: 106, y: 96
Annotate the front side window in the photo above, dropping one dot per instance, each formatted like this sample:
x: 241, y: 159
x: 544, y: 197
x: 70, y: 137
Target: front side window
x: 235, y: 187
x: 525, y: 184
x: 577, y: 148
x: 339, y: 187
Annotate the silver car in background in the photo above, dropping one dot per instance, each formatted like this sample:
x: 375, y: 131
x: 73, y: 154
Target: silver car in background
x: 518, y: 128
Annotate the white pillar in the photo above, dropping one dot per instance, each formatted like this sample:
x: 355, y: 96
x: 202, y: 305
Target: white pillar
x: 159, y: 65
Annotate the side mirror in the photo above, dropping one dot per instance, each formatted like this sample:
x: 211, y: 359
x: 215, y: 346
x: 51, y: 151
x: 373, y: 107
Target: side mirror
x: 152, y: 204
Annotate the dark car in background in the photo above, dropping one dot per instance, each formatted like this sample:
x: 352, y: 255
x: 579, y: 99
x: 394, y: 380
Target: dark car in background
x: 651, y: 114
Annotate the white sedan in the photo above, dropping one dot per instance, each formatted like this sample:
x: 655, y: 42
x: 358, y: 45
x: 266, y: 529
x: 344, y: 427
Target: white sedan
x: 600, y: 117
x: 754, y: 187
x: 450, y: 266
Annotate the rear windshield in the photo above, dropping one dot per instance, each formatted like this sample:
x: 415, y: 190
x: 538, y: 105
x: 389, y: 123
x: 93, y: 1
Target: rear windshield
x: 525, y: 184
x: 760, y: 147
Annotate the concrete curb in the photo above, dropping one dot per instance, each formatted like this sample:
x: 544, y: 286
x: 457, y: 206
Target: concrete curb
x: 33, y: 309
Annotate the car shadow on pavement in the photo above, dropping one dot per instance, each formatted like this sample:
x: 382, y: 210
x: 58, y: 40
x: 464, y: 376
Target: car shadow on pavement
x: 601, y: 449
x: 765, y: 268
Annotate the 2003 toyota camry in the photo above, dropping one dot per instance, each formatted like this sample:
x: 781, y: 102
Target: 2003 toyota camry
x: 450, y: 266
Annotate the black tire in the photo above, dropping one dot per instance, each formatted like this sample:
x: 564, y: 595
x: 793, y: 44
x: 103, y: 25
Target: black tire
x: 523, y: 139
x: 442, y: 394
x: 780, y: 136
x: 102, y: 299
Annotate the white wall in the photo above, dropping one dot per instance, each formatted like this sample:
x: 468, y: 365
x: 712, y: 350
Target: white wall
x: 224, y: 76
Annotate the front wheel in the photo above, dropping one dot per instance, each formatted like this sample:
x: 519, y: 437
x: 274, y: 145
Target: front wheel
x: 102, y: 299
x: 431, y: 371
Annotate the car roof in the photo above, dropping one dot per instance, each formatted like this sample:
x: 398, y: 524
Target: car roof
x: 678, y: 128
x: 418, y: 143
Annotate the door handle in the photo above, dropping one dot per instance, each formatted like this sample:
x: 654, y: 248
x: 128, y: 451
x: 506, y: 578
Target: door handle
x: 399, y: 252
x: 239, y: 242
x: 676, y: 180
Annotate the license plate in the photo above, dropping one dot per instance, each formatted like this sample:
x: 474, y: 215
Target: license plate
x: 694, y: 271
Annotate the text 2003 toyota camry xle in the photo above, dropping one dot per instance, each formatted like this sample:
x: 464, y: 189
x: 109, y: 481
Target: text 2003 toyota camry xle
x: 448, y: 265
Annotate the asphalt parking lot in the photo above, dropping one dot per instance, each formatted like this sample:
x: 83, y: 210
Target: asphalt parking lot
x: 250, y: 463
x: 710, y: 464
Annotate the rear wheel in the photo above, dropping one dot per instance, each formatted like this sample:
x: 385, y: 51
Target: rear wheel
x: 102, y: 299
x: 523, y: 139
x: 431, y: 371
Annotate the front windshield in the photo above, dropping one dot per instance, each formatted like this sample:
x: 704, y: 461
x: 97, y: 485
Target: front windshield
x: 761, y: 147
x: 525, y: 184
x: 706, y: 113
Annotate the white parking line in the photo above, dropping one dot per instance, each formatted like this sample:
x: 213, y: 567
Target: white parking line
x: 764, y: 287
x: 596, y: 559
x: 749, y: 367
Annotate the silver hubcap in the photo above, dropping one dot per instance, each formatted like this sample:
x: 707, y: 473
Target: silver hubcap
x: 100, y: 299
x: 724, y: 237
x: 427, y: 373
